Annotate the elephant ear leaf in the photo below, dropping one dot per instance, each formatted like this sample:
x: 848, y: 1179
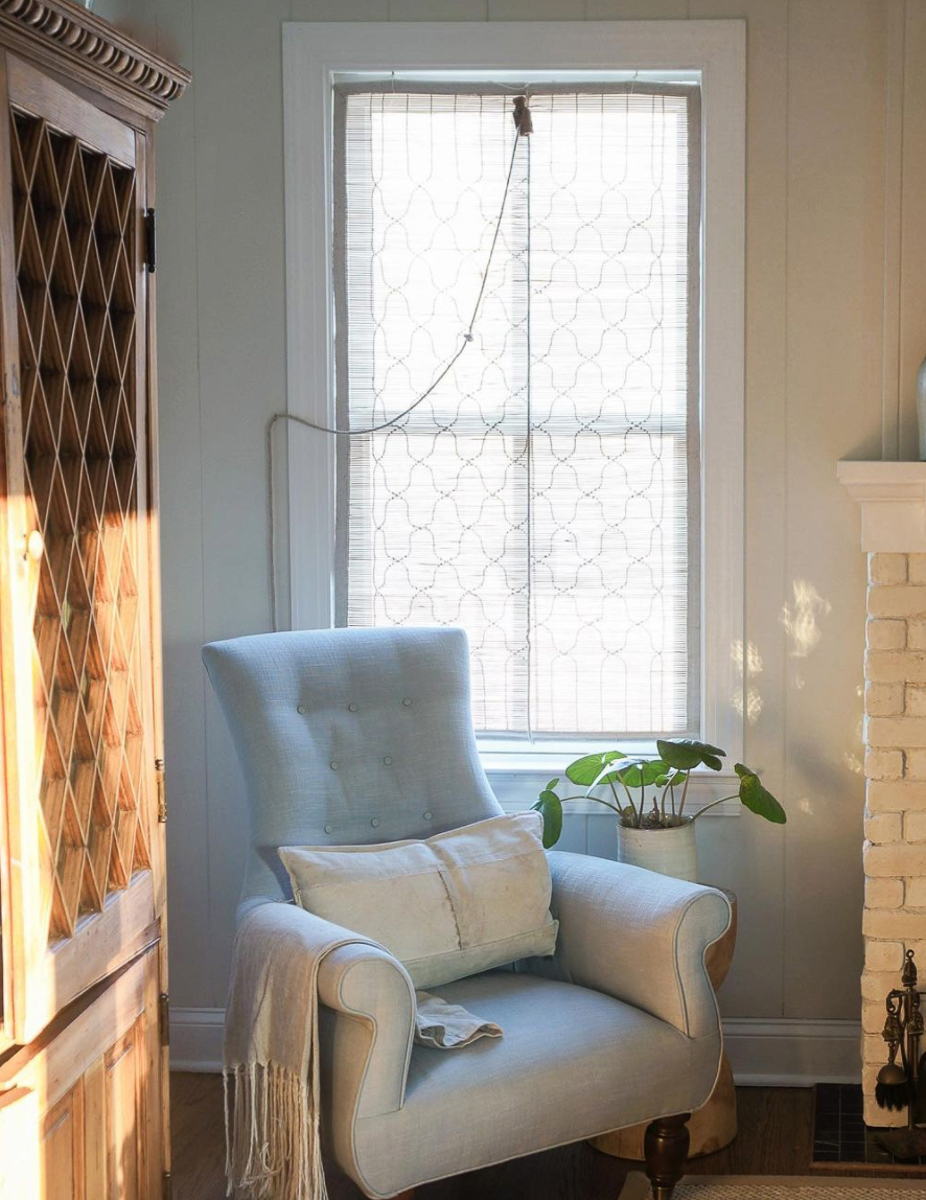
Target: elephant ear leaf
x: 686, y: 753
x: 550, y: 808
x: 585, y: 771
x: 757, y: 798
x: 641, y: 772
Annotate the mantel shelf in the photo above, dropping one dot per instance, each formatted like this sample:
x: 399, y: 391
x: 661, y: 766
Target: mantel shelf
x: 892, y: 496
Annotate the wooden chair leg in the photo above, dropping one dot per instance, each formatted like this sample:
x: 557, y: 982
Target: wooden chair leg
x: 665, y: 1145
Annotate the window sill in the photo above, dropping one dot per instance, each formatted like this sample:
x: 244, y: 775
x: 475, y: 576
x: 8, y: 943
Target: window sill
x: 518, y: 779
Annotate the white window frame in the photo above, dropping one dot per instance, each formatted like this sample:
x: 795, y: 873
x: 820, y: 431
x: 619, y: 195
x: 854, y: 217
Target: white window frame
x: 314, y: 55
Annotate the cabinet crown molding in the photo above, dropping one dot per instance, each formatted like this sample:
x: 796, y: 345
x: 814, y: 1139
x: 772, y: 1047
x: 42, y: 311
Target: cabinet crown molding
x: 95, y: 51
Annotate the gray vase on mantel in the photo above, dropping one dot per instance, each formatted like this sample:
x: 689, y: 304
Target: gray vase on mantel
x: 921, y: 410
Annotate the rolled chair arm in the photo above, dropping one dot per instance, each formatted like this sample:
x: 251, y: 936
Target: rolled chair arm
x: 366, y: 1002
x: 369, y: 1044
x: 638, y: 936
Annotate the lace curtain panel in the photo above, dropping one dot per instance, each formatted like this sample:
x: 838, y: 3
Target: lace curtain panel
x: 545, y: 496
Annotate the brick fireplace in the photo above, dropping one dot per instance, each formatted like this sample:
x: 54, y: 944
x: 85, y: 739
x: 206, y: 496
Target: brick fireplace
x: 893, y: 502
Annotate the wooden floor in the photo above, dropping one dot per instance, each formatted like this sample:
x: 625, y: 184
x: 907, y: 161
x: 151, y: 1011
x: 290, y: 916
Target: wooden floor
x: 776, y: 1133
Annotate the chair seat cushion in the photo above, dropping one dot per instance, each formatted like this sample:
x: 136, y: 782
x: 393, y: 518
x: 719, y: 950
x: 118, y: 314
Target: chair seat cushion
x: 572, y: 1063
x: 455, y: 904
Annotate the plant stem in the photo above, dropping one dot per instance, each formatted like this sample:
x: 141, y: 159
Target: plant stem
x: 596, y: 799
x: 681, y: 807
x: 713, y: 804
x: 633, y: 807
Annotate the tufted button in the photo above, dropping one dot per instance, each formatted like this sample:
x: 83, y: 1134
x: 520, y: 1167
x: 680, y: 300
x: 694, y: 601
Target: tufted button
x: 428, y: 815
x: 407, y: 702
x: 388, y: 760
x: 334, y: 764
x: 375, y: 822
x: 301, y: 710
x: 352, y: 708
x: 327, y: 829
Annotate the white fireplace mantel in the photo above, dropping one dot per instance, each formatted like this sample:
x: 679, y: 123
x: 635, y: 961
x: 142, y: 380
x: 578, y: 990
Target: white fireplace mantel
x: 892, y: 496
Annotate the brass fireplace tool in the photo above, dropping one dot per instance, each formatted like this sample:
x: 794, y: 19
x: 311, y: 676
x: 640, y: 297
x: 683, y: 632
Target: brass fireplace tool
x: 903, y: 1085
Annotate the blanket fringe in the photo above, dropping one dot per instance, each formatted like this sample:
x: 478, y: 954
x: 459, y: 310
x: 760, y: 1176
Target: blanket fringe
x: 271, y: 1134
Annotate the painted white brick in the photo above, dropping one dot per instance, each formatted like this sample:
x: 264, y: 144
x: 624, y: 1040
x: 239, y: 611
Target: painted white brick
x: 896, y: 859
x: 884, y: 893
x: 898, y: 732
x: 885, y: 699
x: 895, y: 795
x: 916, y: 764
x: 886, y: 827
x: 885, y: 764
x: 872, y: 1052
x: 914, y: 701
x: 894, y: 923
x: 876, y: 984
x: 872, y: 1016
x: 883, y: 634
x: 887, y: 568
x: 914, y: 830
x: 883, y: 956
x: 895, y: 666
x: 916, y: 635
x: 902, y: 601
x: 916, y: 568
x: 915, y: 892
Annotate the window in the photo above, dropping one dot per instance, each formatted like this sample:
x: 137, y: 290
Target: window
x: 572, y: 492
x: 545, y: 494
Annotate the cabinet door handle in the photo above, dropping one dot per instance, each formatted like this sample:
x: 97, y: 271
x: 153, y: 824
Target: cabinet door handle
x: 33, y: 545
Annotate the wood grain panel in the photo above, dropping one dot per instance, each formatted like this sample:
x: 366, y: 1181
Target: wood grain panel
x: 124, y: 1101
x: 62, y: 1152
x: 85, y: 1100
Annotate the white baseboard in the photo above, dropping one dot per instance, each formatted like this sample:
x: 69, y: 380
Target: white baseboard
x: 196, y: 1039
x: 771, y: 1053
x: 793, y: 1053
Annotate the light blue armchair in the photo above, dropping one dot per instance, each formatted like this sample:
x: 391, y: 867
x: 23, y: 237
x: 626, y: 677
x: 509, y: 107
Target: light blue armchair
x: 358, y: 736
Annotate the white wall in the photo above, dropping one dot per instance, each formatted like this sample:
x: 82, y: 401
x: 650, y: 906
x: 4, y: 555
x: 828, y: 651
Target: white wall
x: 835, y: 331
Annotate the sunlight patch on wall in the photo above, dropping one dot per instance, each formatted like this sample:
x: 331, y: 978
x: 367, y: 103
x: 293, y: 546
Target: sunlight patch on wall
x: 801, y: 619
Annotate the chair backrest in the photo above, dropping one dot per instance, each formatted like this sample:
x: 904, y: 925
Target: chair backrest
x: 348, y: 736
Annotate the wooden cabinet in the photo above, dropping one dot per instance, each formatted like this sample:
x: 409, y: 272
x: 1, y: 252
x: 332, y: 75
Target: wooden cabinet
x: 82, y: 875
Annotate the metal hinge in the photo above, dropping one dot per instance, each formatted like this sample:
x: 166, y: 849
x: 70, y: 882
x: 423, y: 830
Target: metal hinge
x: 162, y: 798
x: 166, y: 1186
x: 151, y: 240
x: 164, y: 1018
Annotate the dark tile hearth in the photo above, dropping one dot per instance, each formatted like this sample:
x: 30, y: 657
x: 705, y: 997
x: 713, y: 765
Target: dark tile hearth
x: 840, y: 1134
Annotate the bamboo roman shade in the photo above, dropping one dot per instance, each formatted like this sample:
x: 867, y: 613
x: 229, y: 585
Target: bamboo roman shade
x: 545, y: 495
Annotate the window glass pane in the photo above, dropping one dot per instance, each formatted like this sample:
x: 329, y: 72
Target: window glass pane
x: 544, y: 496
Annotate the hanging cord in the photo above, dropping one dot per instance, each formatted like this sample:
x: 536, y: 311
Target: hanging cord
x: 524, y: 126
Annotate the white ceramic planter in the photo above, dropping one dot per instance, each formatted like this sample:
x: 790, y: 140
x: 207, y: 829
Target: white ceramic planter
x: 669, y: 851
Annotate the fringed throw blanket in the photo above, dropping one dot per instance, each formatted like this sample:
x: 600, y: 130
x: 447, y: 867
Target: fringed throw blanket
x: 271, y: 1051
x: 271, y: 1054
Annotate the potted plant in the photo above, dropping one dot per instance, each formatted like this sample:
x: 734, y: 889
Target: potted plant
x: 648, y: 797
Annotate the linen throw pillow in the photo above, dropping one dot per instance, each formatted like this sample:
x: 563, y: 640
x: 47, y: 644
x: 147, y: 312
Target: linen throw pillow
x: 454, y: 905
